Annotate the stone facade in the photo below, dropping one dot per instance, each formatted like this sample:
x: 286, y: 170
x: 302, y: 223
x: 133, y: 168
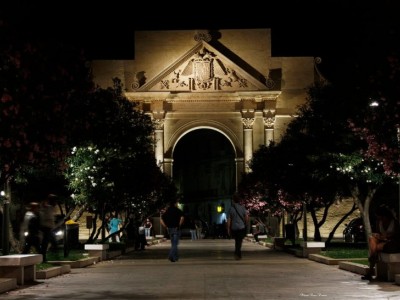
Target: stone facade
x: 224, y: 80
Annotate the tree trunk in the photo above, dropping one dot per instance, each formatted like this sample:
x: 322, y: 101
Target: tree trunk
x: 332, y: 233
x: 363, y: 203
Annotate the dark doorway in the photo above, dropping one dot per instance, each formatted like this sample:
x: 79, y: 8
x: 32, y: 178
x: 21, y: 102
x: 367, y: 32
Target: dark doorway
x: 204, y: 166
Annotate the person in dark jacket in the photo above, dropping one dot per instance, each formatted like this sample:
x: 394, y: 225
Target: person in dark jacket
x: 172, y: 220
x: 237, y: 222
x: 31, y: 229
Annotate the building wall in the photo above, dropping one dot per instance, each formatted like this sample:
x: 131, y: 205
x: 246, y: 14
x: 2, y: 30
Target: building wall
x: 274, y: 86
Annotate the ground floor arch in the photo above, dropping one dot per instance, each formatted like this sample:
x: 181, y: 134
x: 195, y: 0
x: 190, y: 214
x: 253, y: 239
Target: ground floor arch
x: 204, y: 171
x: 226, y: 81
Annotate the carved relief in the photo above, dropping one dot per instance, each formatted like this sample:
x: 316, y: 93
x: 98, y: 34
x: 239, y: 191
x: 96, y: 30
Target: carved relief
x: 248, y: 122
x: 204, y: 71
x: 270, y: 83
x: 159, y: 123
x: 269, y: 118
x: 269, y: 122
x: 202, y: 36
x: 136, y: 79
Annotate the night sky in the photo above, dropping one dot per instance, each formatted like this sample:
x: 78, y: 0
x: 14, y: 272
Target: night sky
x: 326, y: 28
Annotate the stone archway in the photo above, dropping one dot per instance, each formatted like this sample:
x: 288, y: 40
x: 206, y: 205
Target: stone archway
x: 189, y: 126
x: 227, y: 81
x: 204, y: 169
x: 204, y: 172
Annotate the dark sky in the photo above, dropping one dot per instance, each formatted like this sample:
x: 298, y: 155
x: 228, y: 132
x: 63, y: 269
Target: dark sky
x: 299, y: 28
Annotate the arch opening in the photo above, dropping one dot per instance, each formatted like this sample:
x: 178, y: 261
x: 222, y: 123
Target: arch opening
x: 204, y: 173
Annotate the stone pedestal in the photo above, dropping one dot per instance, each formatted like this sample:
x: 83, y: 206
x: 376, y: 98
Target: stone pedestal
x: 99, y: 250
x: 311, y: 247
x: 20, y: 266
x: 388, y: 266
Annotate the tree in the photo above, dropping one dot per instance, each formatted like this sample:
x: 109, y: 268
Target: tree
x: 116, y: 170
x: 39, y: 80
x: 320, y: 159
x: 49, y: 104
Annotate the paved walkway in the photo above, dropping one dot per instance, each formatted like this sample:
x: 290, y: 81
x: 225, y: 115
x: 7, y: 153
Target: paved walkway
x: 207, y: 270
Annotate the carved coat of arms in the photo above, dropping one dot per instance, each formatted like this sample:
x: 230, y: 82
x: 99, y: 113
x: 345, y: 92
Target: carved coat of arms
x: 204, y: 67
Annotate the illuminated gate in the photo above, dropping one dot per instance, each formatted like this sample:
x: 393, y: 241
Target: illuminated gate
x: 226, y: 81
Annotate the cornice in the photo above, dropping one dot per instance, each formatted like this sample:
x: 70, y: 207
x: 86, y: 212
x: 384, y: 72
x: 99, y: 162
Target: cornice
x: 257, y: 96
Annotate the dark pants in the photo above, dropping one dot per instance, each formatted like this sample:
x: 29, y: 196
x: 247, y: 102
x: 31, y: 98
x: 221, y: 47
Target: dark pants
x: 48, y: 238
x: 238, y: 235
x: 141, y: 242
x: 174, y: 235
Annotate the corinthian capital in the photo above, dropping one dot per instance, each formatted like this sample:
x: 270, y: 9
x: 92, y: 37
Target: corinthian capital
x: 248, y: 123
x: 159, y: 123
x: 269, y: 122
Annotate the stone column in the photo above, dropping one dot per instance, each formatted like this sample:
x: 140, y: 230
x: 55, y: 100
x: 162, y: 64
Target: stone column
x: 159, y: 146
x: 248, y: 142
x: 239, y: 170
x: 168, y: 165
x: 269, y: 122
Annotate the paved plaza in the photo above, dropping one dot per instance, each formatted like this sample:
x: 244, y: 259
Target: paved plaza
x: 207, y: 270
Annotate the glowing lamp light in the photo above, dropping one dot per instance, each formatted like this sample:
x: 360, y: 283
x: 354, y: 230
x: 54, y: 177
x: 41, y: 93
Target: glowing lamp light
x: 220, y: 208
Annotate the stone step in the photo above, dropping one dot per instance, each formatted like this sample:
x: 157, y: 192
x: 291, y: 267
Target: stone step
x: 7, y: 284
x: 53, y: 272
x: 354, y: 267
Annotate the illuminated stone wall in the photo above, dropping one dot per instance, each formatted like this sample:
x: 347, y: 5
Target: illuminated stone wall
x: 225, y: 81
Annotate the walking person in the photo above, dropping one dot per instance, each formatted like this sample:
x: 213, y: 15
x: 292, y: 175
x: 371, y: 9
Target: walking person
x: 141, y: 240
x: 236, y: 225
x: 199, y: 229
x: 131, y: 230
x: 172, y: 220
x: 30, y: 229
x: 192, y: 229
x: 147, y: 227
x: 259, y: 230
x: 113, y: 226
x: 47, y: 225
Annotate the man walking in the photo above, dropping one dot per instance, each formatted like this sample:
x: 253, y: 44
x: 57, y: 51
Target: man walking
x: 47, y: 225
x: 31, y: 227
x: 172, y: 220
x: 238, y: 218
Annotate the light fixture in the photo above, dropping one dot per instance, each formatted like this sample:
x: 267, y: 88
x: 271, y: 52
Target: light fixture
x: 220, y: 208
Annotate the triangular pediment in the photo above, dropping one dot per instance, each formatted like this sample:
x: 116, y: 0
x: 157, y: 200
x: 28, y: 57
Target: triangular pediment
x: 203, y: 69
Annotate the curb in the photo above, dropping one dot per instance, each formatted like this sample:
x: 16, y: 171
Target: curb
x: 53, y: 272
x: 81, y: 263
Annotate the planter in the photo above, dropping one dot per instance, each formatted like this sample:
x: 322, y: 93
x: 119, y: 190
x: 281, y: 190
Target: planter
x: 81, y: 263
x: 99, y: 250
x: 354, y: 267
x: 311, y: 248
x: 53, y: 271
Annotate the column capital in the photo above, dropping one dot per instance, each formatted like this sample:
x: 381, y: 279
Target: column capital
x: 248, y: 123
x: 269, y: 117
x: 159, y: 123
x: 269, y: 122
